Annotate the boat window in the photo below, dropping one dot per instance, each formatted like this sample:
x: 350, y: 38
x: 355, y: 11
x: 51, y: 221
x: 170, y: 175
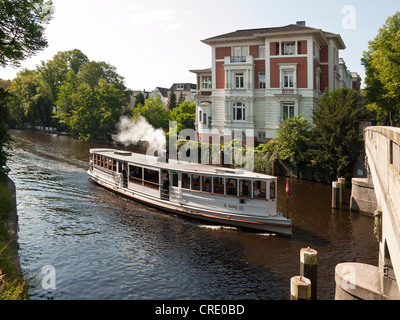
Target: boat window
x: 206, y: 183
x: 175, y: 179
x: 259, y: 189
x: 110, y: 164
x: 185, y: 181
x: 272, y: 190
x: 231, y: 187
x: 196, y: 182
x: 151, y: 175
x: 218, y: 185
x: 245, y: 187
x: 151, y: 178
x: 135, y: 174
x: 102, y: 161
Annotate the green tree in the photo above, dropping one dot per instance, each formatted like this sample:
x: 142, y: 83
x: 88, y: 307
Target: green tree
x: 22, y: 26
x: 65, y: 98
x: 382, y: 68
x: 171, y: 100
x: 336, y: 141
x: 184, y: 115
x: 30, y: 106
x: 154, y: 112
x: 91, y: 72
x: 139, y: 100
x: 54, y: 72
x: 5, y: 140
x: 292, y: 146
x: 95, y: 111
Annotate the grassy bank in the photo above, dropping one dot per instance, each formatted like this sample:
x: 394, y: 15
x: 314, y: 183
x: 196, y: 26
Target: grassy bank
x: 12, y: 284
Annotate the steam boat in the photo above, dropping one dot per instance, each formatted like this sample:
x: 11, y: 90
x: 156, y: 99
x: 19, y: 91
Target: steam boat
x: 220, y: 195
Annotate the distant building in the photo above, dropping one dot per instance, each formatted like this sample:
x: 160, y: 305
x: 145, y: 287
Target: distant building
x: 259, y: 77
x: 161, y: 93
x: 187, y: 90
x: 134, y: 93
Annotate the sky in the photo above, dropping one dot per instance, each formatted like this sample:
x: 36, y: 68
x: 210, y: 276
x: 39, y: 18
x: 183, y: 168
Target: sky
x: 154, y: 43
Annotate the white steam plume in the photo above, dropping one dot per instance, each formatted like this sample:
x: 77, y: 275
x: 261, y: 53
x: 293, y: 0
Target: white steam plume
x: 131, y: 132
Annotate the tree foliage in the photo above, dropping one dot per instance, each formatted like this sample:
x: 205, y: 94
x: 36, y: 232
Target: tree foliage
x: 5, y: 140
x: 322, y: 150
x: 185, y: 115
x: 22, y: 26
x: 154, y: 112
x: 172, y: 100
x: 293, y: 142
x: 382, y: 68
x: 86, y: 97
x: 336, y: 141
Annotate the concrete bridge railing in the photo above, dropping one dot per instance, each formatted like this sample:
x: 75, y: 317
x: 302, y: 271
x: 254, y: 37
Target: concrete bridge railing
x: 382, y: 147
x: 358, y: 280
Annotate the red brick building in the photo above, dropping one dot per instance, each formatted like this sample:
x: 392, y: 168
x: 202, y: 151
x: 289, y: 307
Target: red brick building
x: 261, y: 76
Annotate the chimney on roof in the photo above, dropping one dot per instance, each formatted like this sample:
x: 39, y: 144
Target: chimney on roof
x: 301, y: 23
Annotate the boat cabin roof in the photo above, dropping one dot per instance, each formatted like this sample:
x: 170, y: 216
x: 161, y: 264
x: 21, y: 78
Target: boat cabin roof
x: 181, y: 166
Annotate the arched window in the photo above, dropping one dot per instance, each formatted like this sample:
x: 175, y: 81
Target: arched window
x: 239, y: 111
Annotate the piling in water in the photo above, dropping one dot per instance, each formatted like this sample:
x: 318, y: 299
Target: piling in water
x: 335, y: 195
x: 308, y: 268
x: 342, y: 193
x: 300, y: 288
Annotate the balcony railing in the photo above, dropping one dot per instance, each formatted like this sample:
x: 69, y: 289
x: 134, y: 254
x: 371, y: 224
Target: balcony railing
x: 288, y: 91
x: 238, y: 59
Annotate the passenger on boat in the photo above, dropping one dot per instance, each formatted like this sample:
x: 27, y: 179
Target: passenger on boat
x: 165, y: 186
x: 125, y: 176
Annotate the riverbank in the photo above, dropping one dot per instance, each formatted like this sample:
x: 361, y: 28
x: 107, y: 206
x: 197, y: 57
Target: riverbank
x: 12, y: 283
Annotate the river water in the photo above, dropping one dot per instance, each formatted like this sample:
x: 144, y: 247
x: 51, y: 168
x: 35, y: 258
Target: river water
x: 103, y: 246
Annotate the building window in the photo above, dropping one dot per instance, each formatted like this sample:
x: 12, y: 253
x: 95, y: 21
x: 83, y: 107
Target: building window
x: 288, y: 48
x: 239, y: 80
x: 206, y: 83
x: 204, y: 118
x: 261, y: 80
x: 318, y: 79
x: 287, y: 110
x: 261, y: 51
x: 239, y: 111
x: 180, y: 87
x: 288, y: 79
x: 239, y: 54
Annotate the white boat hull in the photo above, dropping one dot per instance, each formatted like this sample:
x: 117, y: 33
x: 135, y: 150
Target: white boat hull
x: 274, y: 224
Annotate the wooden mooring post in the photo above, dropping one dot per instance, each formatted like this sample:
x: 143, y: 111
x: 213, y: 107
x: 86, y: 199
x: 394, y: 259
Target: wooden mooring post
x: 308, y: 268
x: 335, y: 195
x: 342, y: 193
x: 300, y: 288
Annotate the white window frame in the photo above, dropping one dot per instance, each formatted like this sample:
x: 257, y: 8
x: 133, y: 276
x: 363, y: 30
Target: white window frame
x: 289, y: 48
x: 288, y: 110
x: 242, y: 107
x: 262, y: 84
x: 239, y: 80
x: 261, y: 51
x: 288, y: 79
x: 206, y: 83
x: 288, y: 68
